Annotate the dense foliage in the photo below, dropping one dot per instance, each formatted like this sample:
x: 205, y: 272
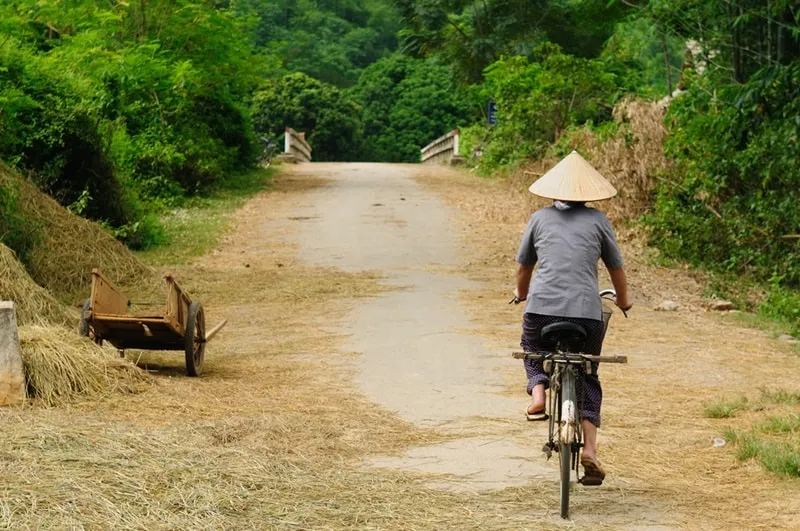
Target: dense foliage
x: 732, y: 202
x: 407, y: 103
x: 116, y: 108
x: 329, y: 118
x: 471, y: 35
x: 113, y: 104
x: 538, y: 98
x: 330, y: 40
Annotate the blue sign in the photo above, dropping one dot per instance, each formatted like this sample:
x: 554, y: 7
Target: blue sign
x: 492, y: 113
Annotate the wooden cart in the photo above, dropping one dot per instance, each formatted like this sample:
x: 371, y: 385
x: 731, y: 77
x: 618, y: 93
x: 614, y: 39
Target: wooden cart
x: 182, y: 326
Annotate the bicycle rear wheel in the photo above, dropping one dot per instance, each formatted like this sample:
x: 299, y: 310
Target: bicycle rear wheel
x: 569, y: 402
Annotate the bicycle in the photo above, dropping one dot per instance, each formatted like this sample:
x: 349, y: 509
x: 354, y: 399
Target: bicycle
x: 269, y: 151
x: 563, y: 366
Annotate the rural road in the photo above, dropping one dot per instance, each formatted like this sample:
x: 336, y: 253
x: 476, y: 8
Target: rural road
x: 427, y: 351
x: 417, y: 357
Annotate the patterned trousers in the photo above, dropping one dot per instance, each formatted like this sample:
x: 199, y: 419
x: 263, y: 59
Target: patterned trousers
x: 590, y: 394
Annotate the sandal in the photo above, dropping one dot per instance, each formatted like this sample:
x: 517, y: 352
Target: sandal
x: 593, y: 473
x: 538, y: 416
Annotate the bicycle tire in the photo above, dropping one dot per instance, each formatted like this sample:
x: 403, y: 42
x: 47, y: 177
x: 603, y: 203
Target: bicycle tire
x: 568, y: 393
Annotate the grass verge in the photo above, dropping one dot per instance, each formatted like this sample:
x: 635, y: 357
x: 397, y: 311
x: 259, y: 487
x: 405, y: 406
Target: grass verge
x: 773, y: 440
x: 724, y: 409
x: 198, y: 226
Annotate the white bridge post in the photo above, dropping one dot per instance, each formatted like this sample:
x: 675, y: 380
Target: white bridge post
x: 295, y: 147
x: 443, y: 149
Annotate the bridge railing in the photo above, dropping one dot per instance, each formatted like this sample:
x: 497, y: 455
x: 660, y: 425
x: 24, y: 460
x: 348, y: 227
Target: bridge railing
x: 295, y: 147
x: 442, y: 150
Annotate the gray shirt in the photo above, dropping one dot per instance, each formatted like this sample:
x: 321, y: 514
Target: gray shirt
x: 567, y: 245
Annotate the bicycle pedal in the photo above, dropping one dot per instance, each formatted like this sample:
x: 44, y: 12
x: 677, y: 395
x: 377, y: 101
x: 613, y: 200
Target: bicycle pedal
x: 548, y: 449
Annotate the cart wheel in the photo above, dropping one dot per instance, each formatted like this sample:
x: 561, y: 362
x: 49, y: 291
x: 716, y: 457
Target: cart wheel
x: 83, y: 328
x: 195, y: 339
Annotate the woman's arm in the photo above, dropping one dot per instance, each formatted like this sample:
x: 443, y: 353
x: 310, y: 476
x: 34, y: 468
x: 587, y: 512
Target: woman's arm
x: 620, y: 282
x: 524, y: 274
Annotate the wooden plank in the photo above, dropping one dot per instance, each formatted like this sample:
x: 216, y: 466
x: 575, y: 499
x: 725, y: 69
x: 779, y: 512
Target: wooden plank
x: 106, y: 298
x: 178, y: 303
x: 129, y: 319
x: 112, y: 322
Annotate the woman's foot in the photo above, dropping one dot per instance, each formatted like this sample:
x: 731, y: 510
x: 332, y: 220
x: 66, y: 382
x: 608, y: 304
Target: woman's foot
x: 593, y: 473
x: 536, y: 409
x: 536, y: 412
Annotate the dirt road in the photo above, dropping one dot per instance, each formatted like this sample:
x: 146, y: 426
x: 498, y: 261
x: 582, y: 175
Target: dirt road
x: 364, y: 382
x: 421, y: 354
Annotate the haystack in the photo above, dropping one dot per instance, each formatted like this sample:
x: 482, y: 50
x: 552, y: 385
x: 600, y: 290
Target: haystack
x: 35, y: 305
x: 632, y: 158
x: 61, y: 366
x: 69, y: 247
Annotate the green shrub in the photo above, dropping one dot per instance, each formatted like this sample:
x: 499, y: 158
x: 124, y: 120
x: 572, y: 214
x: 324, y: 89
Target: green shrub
x: 328, y: 117
x: 783, y: 305
x: 538, y: 100
x: 731, y: 205
x: 406, y: 103
x: 123, y: 113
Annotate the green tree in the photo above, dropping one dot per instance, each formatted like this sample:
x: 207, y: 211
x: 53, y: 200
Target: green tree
x: 329, y: 118
x: 472, y: 34
x: 118, y: 102
x: 538, y: 100
x: 406, y: 104
x: 328, y: 40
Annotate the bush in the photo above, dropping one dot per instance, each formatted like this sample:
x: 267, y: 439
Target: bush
x: 329, y: 118
x: 731, y: 205
x: 536, y: 101
x: 406, y: 104
x: 48, y: 128
x: 111, y: 110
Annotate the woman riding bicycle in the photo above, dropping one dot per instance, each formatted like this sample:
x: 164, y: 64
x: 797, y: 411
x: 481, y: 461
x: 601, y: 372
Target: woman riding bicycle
x: 567, y: 240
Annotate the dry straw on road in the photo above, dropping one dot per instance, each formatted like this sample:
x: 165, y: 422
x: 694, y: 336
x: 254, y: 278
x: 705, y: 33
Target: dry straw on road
x: 60, y: 366
x: 272, y: 437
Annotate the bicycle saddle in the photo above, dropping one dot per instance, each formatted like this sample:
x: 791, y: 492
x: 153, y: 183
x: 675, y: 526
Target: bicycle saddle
x: 570, y: 336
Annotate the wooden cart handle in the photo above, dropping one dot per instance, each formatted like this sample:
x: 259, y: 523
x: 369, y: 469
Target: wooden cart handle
x: 211, y: 333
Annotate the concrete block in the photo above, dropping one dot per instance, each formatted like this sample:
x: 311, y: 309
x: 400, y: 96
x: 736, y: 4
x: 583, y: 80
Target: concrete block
x: 287, y: 158
x: 12, y: 376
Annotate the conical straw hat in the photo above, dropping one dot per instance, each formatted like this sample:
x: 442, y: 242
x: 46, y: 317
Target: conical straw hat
x: 573, y: 179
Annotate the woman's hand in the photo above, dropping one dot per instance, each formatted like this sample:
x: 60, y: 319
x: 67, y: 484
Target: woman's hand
x: 620, y: 282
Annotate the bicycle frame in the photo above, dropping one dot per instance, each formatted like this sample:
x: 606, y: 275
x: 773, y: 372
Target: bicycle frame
x: 565, y: 423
